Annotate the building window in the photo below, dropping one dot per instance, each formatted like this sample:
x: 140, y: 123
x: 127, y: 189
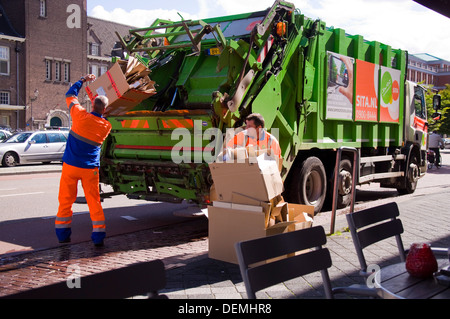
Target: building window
x: 5, y: 121
x: 4, y: 60
x: 93, y: 69
x: 94, y: 49
x: 48, y: 70
x: 103, y: 70
x: 4, y: 98
x: 57, y: 71
x: 43, y: 8
x: 66, y: 72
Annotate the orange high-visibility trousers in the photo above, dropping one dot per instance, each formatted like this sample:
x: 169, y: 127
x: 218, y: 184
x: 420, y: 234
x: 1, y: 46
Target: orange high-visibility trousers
x: 67, y: 195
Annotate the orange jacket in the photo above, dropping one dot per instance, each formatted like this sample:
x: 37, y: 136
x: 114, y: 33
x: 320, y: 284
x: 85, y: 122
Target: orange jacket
x: 88, y: 132
x: 248, y: 137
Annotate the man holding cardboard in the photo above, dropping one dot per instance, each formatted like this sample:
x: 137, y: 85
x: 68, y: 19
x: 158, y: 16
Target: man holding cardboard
x: 255, y: 136
x: 81, y: 161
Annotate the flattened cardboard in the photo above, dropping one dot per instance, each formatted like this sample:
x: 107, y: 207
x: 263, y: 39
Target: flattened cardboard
x: 302, y: 215
x: 113, y: 84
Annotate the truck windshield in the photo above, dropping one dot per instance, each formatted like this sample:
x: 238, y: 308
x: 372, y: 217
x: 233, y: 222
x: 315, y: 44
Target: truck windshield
x: 419, y: 103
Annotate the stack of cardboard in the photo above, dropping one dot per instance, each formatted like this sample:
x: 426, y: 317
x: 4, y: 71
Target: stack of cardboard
x: 248, y: 204
x: 125, y: 84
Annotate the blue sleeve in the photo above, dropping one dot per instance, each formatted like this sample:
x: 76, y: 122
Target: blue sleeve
x: 74, y: 89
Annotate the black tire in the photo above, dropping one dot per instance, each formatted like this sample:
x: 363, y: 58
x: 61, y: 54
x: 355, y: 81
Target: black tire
x: 309, y: 185
x: 10, y: 159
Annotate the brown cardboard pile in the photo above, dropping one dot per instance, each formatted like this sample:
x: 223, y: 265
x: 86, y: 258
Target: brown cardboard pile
x: 248, y: 204
x: 126, y: 84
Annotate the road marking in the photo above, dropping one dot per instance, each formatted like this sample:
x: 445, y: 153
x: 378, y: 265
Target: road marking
x: 22, y: 194
x: 129, y: 217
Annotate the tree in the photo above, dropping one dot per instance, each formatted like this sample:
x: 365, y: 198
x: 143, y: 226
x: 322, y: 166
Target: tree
x: 443, y: 125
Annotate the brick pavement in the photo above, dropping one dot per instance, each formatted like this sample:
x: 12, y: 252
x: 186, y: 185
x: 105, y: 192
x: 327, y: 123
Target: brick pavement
x: 192, y: 275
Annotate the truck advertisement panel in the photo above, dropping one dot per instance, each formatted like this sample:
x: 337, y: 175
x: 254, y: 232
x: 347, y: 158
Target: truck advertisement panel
x: 366, y: 91
x: 340, y: 87
x: 390, y: 95
x: 370, y: 90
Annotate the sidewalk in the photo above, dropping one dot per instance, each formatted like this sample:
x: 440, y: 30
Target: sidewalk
x: 192, y: 275
x: 425, y: 219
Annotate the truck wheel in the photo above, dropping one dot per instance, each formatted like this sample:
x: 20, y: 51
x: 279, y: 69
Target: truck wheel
x: 412, y: 176
x: 311, y: 186
x: 344, y: 185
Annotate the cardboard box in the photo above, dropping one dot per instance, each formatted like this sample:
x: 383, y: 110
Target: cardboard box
x: 259, y: 180
x: 302, y: 215
x: 230, y: 223
x: 125, y: 84
x: 228, y: 226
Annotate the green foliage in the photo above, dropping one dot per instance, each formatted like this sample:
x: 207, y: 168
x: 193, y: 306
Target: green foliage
x: 443, y: 125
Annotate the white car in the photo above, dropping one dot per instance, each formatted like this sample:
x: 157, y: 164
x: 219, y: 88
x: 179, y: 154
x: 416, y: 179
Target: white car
x: 446, y: 143
x: 4, y: 135
x: 29, y: 147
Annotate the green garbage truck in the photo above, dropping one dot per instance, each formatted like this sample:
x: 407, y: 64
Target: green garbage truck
x: 320, y: 91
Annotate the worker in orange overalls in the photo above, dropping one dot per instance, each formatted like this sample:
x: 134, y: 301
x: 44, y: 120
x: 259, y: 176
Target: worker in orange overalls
x: 254, y: 134
x: 81, y: 161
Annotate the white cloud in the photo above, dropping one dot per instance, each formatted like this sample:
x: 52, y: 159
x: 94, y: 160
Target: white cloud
x: 138, y: 17
x: 400, y: 23
x: 230, y: 7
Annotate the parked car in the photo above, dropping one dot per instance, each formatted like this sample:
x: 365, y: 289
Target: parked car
x: 4, y: 135
x: 28, y: 147
x: 446, y: 143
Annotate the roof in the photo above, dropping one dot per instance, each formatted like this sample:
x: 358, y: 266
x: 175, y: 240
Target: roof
x: 426, y: 57
x: 6, y: 27
x: 104, y: 32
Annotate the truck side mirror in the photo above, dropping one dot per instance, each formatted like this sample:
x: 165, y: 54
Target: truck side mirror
x: 436, y: 102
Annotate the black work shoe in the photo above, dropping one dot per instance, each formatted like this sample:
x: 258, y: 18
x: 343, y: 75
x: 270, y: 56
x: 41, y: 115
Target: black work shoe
x: 65, y: 241
x: 100, y: 244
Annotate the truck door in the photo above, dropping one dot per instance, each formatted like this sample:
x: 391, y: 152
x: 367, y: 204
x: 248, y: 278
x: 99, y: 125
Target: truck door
x: 420, y: 117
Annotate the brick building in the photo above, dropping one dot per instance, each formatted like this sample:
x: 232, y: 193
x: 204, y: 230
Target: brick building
x: 45, y: 46
x: 429, y: 70
x: 101, y: 39
x: 12, y: 63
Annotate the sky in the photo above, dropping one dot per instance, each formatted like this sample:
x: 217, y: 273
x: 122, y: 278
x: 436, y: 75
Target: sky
x: 403, y: 24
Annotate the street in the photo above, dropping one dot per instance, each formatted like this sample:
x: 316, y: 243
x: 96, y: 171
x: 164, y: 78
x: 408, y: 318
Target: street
x: 29, y: 203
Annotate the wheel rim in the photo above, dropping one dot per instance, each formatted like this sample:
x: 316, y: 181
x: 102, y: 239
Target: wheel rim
x: 345, y: 186
x: 413, y: 173
x: 10, y: 160
x: 313, y: 187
